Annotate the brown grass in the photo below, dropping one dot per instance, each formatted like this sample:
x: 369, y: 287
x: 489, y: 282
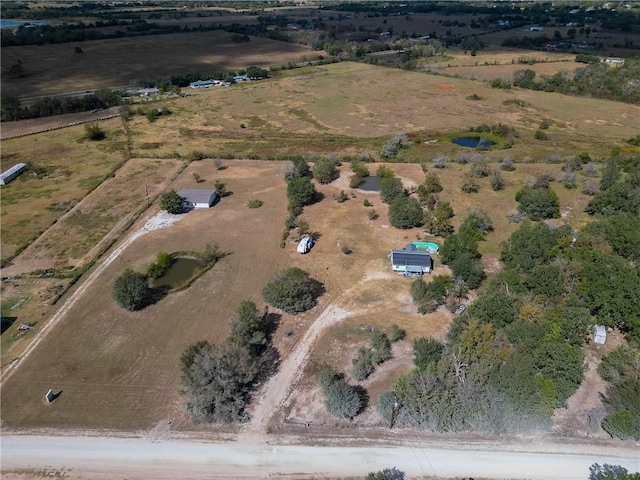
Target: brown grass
x: 127, y: 61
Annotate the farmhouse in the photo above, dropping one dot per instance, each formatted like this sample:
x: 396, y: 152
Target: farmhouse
x: 617, y: 61
x: 410, y: 261
x: 12, y: 173
x: 198, y: 198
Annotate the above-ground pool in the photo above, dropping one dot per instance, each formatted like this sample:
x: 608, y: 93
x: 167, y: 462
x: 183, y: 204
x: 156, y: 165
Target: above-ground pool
x: 427, y: 246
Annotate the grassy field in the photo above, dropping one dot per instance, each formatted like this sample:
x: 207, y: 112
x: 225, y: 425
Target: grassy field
x: 120, y: 370
x: 51, y: 69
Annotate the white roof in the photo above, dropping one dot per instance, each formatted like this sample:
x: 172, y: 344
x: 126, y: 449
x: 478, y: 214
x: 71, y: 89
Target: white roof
x: 198, y: 195
x: 16, y: 168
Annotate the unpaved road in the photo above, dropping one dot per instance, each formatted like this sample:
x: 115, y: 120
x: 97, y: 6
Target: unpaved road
x: 136, y: 458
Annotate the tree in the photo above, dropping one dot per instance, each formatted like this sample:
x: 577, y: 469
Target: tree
x: 131, y: 291
x: 324, y: 170
x: 248, y: 328
x: 432, y: 183
x: 437, y: 223
x: 538, y: 203
x: 391, y: 188
x: 426, y: 351
x: 497, y: 180
x: 611, y: 472
x: 622, y: 231
x: 171, y: 202
x: 495, y: 307
x: 9, y: 107
x: 292, y: 290
x: 469, y: 269
x: 218, y: 380
x: 94, y: 132
x: 300, y: 191
x: 405, y: 212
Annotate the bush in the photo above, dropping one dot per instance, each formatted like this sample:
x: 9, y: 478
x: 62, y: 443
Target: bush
x: 381, y: 347
x: 469, y: 184
x: 94, y: 132
x: 341, y: 399
x: 538, y: 203
x: 544, y: 179
x: 386, y: 406
x: 360, y: 169
x: 396, y: 333
x: 426, y: 351
x: 196, y: 155
x: 363, y: 364
x: 324, y: 170
x: 171, y: 202
x: 541, y: 135
x: 405, y: 212
x: 497, y: 180
x: 131, y: 291
x: 255, y: 203
x: 440, y: 161
x: 569, y: 180
x: 367, y: 203
x: 432, y: 183
x: 507, y: 164
x: 386, y: 474
x: 292, y: 290
x: 341, y: 197
x: 221, y: 188
x: 372, y: 214
x: 161, y: 265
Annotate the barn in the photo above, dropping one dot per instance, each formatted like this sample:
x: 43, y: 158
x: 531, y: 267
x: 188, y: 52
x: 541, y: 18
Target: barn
x: 411, y: 262
x: 198, y: 198
x: 12, y: 173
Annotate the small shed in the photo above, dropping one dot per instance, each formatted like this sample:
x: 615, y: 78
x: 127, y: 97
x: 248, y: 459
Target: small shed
x: 198, y: 198
x: 599, y: 334
x: 12, y: 173
x: 411, y: 262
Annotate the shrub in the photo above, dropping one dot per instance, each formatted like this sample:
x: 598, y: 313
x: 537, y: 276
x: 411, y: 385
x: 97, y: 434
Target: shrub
x: 367, y: 203
x: 590, y: 187
x: 386, y: 406
x: 255, y: 203
x: 387, y: 473
x: 363, y: 364
x: 440, y: 161
x: 384, y: 172
x: 196, y: 155
x: 355, y: 181
x: 497, y: 180
x: 94, y: 132
x: 131, y: 291
x: 341, y: 399
x: 405, y: 212
x: 544, y: 179
x: 381, y: 346
x: 541, y: 135
x: 372, y: 214
x: 221, y: 188
x: 324, y: 170
x: 469, y: 184
x: 569, y: 180
x: 360, y: 169
x: 341, y: 197
x: 161, y: 265
x: 480, y: 167
x: 590, y: 170
x: 292, y: 290
x: 396, y: 333
x: 432, y: 183
x: 507, y: 164
x: 171, y: 202
x: 514, y: 216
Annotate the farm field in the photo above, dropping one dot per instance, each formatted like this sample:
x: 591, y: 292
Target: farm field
x: 51, y: 69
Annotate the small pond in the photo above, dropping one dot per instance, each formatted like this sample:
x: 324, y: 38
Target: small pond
x: 181, y: 270
x: 370, y: 184
x: 472, y: 142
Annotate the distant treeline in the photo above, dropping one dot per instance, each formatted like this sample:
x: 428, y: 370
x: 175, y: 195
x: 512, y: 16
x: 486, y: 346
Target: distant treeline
x: 595, y: 81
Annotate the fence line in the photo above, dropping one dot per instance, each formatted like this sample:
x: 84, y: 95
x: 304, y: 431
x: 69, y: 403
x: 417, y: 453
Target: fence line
x: 73, y: 124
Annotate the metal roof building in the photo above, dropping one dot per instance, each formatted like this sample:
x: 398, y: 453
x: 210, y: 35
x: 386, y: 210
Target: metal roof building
x: 411, y: 262
x: 198, y: 197
x: 12, y: 173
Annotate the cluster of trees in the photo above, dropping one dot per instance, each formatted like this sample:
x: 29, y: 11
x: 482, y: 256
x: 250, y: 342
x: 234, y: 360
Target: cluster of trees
x: 11, y: 108
x: 218, y: 379
x: 380, y: 351
x: 538, y: 202
x: 340, y: 399
x: 596, y: 80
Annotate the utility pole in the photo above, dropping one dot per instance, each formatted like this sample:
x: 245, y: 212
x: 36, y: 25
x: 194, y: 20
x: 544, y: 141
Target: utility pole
x: 146, y: 191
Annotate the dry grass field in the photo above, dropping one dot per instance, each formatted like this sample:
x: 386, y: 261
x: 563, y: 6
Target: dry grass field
x: 51, y: 69
x: 119, y: 370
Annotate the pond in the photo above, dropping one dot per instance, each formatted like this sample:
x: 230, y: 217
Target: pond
x: 472, y: 142
x: 180, y: 270
x: 370, y: 184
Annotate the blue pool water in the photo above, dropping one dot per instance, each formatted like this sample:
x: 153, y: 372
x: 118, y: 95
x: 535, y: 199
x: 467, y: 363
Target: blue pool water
x: 472, y: 142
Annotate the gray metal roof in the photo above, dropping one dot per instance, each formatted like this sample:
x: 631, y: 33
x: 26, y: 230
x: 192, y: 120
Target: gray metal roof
x: 16, y: 168
x: 404, y: 257
x: 198, y: 195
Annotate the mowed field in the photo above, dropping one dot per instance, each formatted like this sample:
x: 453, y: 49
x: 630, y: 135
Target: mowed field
x: 51, y: 69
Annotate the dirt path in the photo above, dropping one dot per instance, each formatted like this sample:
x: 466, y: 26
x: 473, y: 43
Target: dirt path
x: 137, y: 458
x: 160, y: 220
x: 277, y: 390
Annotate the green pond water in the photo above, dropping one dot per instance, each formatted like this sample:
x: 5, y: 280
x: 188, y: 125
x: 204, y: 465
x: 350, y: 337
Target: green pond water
x: 180, y: 270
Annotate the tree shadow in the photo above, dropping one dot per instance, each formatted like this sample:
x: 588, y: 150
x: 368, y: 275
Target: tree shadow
x: 268, y: 365
x: 317, y: 197
x: 364, y: 397
x: 157, y: 293
x: 6, y: 323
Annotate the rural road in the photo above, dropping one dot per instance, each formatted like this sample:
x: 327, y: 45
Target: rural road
x: 137, y: 458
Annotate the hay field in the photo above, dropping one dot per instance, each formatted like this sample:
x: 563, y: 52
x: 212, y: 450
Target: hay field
x: 350, y: 107
x: 71, y: 167
x: 51, y: 69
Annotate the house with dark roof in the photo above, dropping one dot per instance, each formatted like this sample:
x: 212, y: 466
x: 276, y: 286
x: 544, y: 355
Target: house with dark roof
x: 198, y: 198
x: 411, y: 262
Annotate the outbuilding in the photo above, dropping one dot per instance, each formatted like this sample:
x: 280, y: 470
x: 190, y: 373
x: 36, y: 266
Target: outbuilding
x: 599, y: 334
x: 198, y: 198
x: 12, y: 173
x: 411, y: 262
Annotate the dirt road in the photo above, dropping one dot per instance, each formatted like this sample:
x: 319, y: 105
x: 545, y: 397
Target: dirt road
x: 136, y: 458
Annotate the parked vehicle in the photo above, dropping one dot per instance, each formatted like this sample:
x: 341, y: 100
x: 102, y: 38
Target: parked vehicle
x: 305, y: 245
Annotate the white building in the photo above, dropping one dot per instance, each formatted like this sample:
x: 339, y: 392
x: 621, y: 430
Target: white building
x: 198, y: 198
x: 12, y: 173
